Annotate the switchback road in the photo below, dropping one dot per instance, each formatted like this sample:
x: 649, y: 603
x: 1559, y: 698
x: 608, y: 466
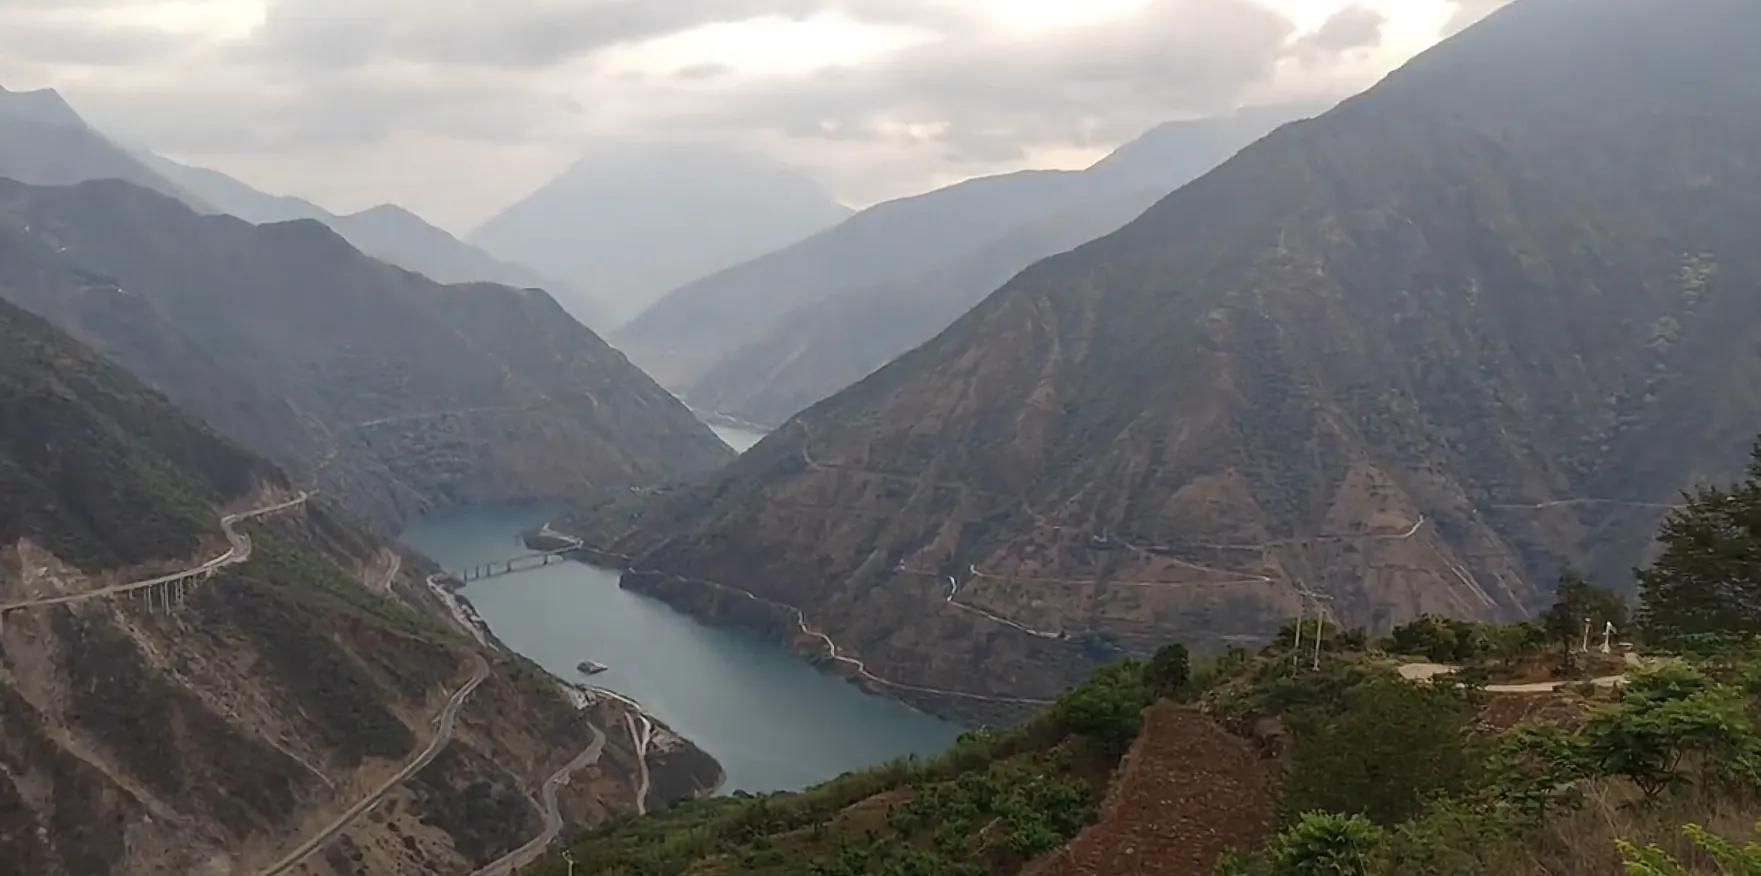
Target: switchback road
x: 444, y: 723
x: 553, y: 818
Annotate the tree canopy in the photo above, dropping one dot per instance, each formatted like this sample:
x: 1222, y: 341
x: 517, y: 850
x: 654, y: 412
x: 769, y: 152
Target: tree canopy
x: 1708, y: 578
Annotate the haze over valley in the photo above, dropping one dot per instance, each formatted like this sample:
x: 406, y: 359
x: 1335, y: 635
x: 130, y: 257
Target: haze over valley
x: 1263, y: 437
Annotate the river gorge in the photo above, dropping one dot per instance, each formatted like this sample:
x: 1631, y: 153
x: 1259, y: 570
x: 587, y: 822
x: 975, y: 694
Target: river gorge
x: 773, y: 721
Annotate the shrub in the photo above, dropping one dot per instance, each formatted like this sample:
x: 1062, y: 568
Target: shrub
x: 1325, y: 844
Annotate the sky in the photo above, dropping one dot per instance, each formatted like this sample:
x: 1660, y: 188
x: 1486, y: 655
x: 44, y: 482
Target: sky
x: 457, y: 108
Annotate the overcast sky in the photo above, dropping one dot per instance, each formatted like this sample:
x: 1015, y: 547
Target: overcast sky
x: 455, y: 108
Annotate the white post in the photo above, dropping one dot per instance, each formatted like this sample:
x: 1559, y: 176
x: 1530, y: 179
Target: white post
x: 1296, y: 648
x: 1586, y: 648
x: 1607, y: 636
x: 1320, y: 630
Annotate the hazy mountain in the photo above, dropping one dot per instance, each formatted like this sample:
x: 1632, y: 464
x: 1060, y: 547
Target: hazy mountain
x: 625, y: 225
x: 393, y: 392
x: 767, y: 338
x: 213, y: 736
x: 1414, y: 355
x: 386, y: 232
x: 44, y: 142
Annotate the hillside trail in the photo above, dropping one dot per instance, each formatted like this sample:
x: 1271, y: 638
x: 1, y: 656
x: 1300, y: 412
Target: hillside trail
x: 1429, y: 671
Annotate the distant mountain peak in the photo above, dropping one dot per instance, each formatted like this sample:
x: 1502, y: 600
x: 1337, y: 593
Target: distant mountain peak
x: 44, y: 106
x: 387, y: 211
x: 628, y: 223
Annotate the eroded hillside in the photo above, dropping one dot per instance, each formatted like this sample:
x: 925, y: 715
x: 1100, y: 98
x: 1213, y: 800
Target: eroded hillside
x: 205, y: 670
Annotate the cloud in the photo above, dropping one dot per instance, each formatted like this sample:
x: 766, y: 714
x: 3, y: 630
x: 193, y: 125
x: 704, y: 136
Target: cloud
x: 1352, y: 28
x: 58, y: 40
x: 497, y: 33
x: 1470, y: 12
x: 880, y: 97
x: 991, y: 95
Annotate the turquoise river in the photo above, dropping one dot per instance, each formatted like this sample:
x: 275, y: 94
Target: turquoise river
x: 774, y: 721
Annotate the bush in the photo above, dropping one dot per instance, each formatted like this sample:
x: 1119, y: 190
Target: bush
x: 1108, y: 709
x: 1649, y: 735
x: 1169, y: 671
x: 1325, y: 844
x: 1390, y: 746
x: 1733, y: 860
x: 1440, y: 639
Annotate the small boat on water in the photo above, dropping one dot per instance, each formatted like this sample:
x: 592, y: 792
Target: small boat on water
x: 591, y: 667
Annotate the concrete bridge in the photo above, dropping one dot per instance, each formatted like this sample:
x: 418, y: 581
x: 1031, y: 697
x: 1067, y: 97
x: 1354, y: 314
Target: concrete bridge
x: 169, y: 591
x: 514, y: 565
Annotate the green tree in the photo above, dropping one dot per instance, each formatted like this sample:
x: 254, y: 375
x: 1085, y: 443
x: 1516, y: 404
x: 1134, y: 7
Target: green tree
x: 1108, y: 709
x: 1708, y: 578
x: 1444, y: 640
x: 1325, y: 844
x: 1509, y: 642
x: 1576, y: 603
x: 1389, y: 747
x: 1169, y: 670
x: 1663, y: 720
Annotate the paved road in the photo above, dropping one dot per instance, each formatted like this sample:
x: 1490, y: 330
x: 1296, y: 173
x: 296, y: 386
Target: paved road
x: 238, y: 551
x: 553, y: 818
x: 397, y: 565
x: 445, y: 722
x: 836, y: 653
x: 1428, y: 671
x: 639, y: 740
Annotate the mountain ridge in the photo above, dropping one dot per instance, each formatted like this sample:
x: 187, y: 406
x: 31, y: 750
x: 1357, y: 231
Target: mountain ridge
x: 394, y: 392
x: 388, y: 231
x: 762, y: 340
x: 1414, y: 356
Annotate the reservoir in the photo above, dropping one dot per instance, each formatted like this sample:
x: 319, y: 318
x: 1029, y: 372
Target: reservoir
x: 774, y: 721
x: 734, y: 436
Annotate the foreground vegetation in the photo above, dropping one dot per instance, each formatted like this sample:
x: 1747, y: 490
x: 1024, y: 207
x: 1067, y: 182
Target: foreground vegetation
x: 1656, y: 770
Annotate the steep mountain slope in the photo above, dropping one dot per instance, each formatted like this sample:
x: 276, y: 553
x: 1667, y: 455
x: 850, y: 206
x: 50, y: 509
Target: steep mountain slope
x: 1412, y: 356
x: 816, y: 349
x: 763, y: 340
x: 385, y: 232
x: 210, y: 725
x: 43, y: 141
x: 625, y: 225
x: 389, y: 391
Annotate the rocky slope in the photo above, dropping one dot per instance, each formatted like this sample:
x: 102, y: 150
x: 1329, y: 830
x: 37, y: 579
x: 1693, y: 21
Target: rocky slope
x: 1411, y: 356
x: 764, y: 340
x: 389, y: 391
x: 625, y: 225
x: 212, y: 727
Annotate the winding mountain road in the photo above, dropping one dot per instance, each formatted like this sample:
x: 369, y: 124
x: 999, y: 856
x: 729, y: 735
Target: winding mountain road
x: 640, y: 739
x: 835, y: 653
x: 444, y: 724
x: 238, y: 551
x: 553, y: 819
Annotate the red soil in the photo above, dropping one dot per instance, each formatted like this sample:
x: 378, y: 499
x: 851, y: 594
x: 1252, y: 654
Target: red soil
x: 1189, y: 792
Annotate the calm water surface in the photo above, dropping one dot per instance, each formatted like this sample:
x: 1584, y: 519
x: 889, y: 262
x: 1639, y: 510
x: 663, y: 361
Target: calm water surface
x: 773, y: 721
x: 739, y: 439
